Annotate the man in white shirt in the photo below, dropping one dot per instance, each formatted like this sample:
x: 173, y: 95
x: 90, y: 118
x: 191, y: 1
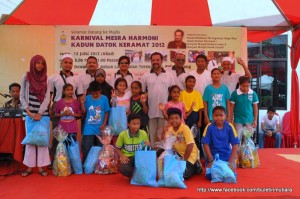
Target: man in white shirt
x: 178, y: 71
x: 156, y: 83
x: 86, y: 77
x: 231, y: 79
x: 58, y: 80
x: 270, y: 127
x: 203, y: 76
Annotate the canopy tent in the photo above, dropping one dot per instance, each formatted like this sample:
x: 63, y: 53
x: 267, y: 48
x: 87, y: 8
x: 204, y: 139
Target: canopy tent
x: 263, y: 18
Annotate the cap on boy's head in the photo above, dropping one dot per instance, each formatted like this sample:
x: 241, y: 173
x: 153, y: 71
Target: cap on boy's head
x: 133, y: 116
x: 66, y: 56
x: 226, y: 59
x: 271, y: 109
x: 94, y: 86
x: 174, y: 111
x: 221, y: 108
x: 100, y: 71
x: 244, y: 79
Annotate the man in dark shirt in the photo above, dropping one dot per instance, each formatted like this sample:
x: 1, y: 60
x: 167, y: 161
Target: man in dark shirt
x: 177, y: 43
x: 14, y: 91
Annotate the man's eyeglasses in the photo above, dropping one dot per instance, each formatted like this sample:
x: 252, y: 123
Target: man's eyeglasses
x: 180, y: 60
x: 124, y: 63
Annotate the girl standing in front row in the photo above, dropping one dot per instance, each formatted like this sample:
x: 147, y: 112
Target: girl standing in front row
x: 35, y: 98
x: 68, y: 109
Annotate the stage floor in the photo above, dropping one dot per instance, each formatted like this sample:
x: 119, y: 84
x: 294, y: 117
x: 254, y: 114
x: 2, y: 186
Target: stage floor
x: 277, y: 177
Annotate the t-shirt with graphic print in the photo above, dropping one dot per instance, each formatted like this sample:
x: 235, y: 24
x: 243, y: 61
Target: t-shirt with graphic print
x: 68, y: 122
x: 215, y: 97
x: 130, y: 143
x: 137, y: 107
x: 95, y: 113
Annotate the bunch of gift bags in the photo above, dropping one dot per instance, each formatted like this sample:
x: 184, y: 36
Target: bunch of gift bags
x: 107, y: 161
x: 248, y: 155
x: 169, y: 168
x: 61, y: 164
x: 102, y: 160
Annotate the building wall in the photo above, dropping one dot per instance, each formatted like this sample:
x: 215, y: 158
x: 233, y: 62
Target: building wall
x: 18, y: 44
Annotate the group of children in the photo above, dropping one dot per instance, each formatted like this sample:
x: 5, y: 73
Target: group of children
x: 183, y: 110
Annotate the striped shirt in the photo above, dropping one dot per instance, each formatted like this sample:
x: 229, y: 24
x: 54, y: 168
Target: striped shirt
x: 34, y: 105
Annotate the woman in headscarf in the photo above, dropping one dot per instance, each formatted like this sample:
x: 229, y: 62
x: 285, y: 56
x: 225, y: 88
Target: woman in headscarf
x: 35, y: 98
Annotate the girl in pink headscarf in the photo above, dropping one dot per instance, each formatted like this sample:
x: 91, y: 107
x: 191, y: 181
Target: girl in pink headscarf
x: 35, y: 98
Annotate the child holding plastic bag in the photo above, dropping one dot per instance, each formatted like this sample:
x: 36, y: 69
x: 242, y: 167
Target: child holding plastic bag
x: 108, y: 158
x: 244, y: 107
x: 220, y: 137
x: 96, y: 107
x: 128, y: 142
x: 35, y: 99
x: 67, y: 109
x: 184, y: 145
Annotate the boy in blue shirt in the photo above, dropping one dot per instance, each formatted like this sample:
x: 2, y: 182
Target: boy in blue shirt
x: 244, y: 106
x: 220, y: 137
x: 96, y: 107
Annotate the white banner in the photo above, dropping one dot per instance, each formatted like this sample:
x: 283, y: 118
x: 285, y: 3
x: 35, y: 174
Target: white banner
x: 108, y: 43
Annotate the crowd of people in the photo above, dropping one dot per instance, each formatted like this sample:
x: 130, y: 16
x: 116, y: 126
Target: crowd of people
x: 218, y: 103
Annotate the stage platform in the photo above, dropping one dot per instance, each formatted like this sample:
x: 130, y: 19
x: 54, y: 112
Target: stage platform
x: 277, y: 177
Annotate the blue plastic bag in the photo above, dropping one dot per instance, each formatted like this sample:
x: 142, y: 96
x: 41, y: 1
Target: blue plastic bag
x: 37, y: 132
x: 145, y: 168
x: 117, y: 119
x: 221, y: 172
x: 74, y: 154
x: 173, y: 172
x: 91, y: 160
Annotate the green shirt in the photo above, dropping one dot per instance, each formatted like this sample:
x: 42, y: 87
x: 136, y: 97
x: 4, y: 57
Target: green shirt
x: 130, y: 143
x: 243, y: 106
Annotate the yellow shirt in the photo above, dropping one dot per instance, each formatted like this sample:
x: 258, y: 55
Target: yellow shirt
x: 189, y: 98
x: 184, y: 137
